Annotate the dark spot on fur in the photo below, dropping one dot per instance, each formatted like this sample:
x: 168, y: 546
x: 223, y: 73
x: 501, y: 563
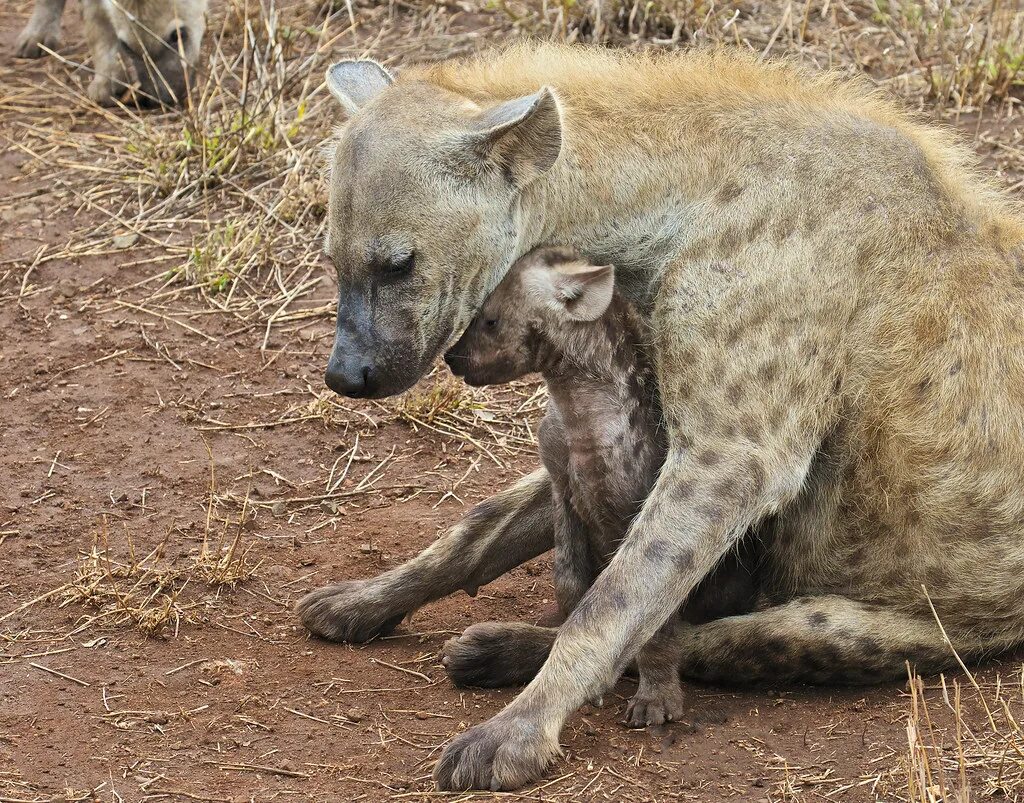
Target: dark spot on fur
x: 683, y: 490
x: 752, y: 431
x: 734, y: 393
x: 485, y: 511
x: 769, y: 372
x: 956, y: 367
x: 729, y: 191
x: 726, y: 489
x: 866, y: 647
x: 709, y: 457
x: 657, y: 551
x: 817, y: 619
x: 758, y: 476
x: 684, y: 560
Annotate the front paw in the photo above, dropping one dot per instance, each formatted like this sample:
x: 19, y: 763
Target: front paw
x: 352, y: 611
x: 504, y: 753
x: 99, y: 91
x: 32, y: 41
x: 655, y: 704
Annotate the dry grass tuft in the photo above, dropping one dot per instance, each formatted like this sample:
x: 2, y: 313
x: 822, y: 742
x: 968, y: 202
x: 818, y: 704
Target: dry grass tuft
x: 149, y: 593
x: 970, y: 53
x: 967, y: 744
x: 442, y: 399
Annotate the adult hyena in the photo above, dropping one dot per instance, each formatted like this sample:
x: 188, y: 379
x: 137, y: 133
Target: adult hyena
x: 834, y: 301
x: 159, y: 39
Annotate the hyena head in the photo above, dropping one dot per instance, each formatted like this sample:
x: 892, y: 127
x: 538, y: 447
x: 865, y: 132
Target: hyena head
x: 163, y: 45
x: 424, y: 216
x: 539, y: 312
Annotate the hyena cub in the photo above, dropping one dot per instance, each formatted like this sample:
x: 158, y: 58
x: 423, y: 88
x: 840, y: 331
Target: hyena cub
x: 601, y: 441
x: 158, y: 39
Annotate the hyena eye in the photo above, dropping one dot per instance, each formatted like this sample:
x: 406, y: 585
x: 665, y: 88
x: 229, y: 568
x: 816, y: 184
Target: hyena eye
x: 398, y: 267
x: 491, y: 324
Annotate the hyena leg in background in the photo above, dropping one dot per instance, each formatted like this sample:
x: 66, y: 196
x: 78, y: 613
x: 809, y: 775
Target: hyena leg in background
x: 826, y: 639
x: 109, y: 72
x: 502, y: 654
x: 42, y: 28
x: 497, y: 535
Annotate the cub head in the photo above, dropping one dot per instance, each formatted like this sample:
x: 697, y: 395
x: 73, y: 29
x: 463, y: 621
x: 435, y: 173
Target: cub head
x: 532, y: 316
x: 424, y: 216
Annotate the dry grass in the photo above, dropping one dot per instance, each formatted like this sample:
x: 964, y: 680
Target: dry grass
x: 965, y: 740
x: 154, y: 593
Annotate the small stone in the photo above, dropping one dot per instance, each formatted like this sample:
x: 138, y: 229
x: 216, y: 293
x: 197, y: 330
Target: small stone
x: 355, y: 714
x: 422, y: 715
x: 366, y: 549
x: 125, y: 240
x: 279, y: 508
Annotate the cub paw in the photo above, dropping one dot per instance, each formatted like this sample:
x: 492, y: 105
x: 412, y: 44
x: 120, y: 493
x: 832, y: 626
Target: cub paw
x: 654, y: 705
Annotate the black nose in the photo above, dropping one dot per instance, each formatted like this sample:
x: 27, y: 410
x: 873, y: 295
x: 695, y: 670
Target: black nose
x: 354, y: 380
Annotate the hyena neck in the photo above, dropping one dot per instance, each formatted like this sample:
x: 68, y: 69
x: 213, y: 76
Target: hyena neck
x: 639, y: 228
x: 600, y: 364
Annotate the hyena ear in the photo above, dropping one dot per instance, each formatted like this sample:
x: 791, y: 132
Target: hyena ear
x: 578, y: 290
x: 522, y: 136
x: 356, y: 83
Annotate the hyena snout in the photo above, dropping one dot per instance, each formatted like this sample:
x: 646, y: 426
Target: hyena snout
x: 350, y: 372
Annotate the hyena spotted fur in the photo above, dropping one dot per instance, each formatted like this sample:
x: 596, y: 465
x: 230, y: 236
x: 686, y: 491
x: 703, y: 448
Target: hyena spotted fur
x: 602, y: 442
x: 157, y: 39
x: 832, y: 296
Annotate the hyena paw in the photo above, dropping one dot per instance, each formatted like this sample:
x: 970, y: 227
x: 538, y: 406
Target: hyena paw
x: 496, y: 654
x: 352, y: 611
x: 99, y: 91
x: 504, y: 753
x: 32, y: 40
x: 655, y: 704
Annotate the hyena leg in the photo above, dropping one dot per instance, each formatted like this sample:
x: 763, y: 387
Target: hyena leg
x: 42, y: 29
x: 500, y: 654
x: 109, y: 73
x: 495, y: 536
x: 826, y: 639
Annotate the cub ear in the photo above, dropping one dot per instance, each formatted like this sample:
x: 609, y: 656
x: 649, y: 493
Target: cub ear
x: 577, y: 290
x: 356, y: 82
x: 522, y: 136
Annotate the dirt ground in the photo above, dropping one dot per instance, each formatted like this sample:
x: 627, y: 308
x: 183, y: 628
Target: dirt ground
x: 174, y: 480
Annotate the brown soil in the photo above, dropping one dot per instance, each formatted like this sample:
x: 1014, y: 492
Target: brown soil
x: 109, y: 420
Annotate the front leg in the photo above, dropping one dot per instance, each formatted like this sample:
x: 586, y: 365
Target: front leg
x: 495, y: 536
x: 732, y: 460
x: 108, y: 71
x: 41, y: 31
x: 671, y: 546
